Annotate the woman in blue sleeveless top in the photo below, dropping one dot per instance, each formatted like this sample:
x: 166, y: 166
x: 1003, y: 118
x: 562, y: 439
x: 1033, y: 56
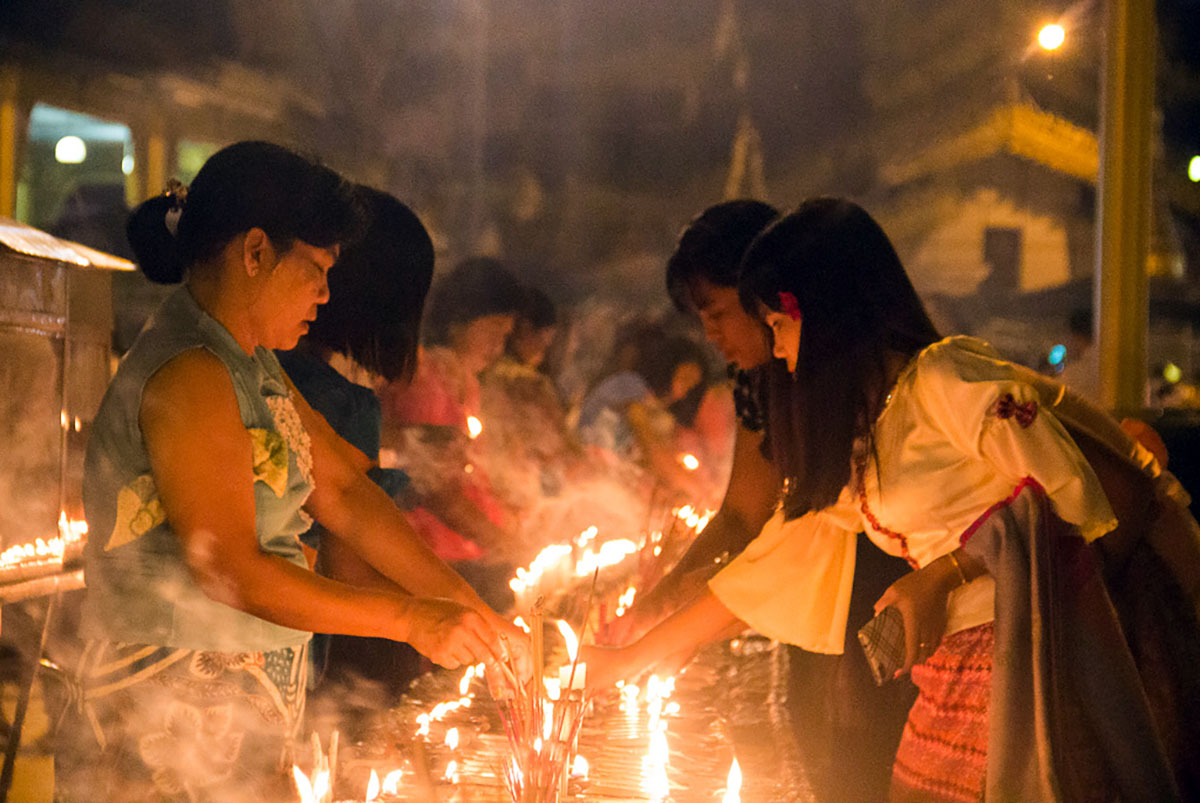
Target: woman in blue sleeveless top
x: 204, y: 467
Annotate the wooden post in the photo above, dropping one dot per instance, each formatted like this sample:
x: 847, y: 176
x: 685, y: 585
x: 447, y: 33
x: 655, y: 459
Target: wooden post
x: 1123, y: 213
x: 10, y: 137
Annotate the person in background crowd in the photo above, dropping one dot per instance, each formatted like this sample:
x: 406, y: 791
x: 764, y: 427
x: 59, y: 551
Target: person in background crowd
x: 987, y: 479
x: 529, y: 446
x: 203, y: 467
x: 627, y: 414
x: 431, y: 425
x: 702, y: 279
x: 846, y: 750
x: 366, y: 334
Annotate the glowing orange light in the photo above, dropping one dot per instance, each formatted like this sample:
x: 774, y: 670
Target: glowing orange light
x: 474, y: 427
x: 1051, y: 37
x: 733, y: 784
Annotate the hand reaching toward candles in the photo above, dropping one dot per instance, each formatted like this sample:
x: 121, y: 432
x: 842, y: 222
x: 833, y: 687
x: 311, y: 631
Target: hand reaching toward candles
x: 607, y: 665
x: 448, y: 633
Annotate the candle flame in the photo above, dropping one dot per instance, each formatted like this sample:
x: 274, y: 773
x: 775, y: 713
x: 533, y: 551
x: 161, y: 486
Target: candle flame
x: 655, y: 781
x: 625, y: 601
x: 303, y: 785
x: 474, y: 427
x: 587, y: 536
x: 320, y: 787
x: 373, y: 786
x: 689, y: 461
x: 545, y: 560
x: 451, y: 774
x: 452, y: 738
x: 391, y: 783
x: 569, y: 636
x: 579, y: 767
x: 70, y: 531
x: 733, y: 785
x: 438, y: 712
x: 465, y: 683
x: 610, y: 554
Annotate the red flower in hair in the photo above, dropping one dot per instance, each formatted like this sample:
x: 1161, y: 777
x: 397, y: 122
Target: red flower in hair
x: 791, y: 307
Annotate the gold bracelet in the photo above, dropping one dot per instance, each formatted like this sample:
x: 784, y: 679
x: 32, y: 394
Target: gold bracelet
x: 961, y: 574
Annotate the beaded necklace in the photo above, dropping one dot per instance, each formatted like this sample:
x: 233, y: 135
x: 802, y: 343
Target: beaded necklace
x: 860, y: 466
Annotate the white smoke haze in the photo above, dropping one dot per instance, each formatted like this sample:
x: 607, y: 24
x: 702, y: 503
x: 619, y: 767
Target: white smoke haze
x: 204, y: 559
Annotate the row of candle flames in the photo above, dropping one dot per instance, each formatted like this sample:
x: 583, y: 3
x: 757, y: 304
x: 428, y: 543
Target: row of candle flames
x: 542, y: 728
x: 531, y: 724
x: 70, y: 533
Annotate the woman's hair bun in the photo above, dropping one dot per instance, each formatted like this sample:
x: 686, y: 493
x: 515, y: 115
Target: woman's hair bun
x: 154, y: 247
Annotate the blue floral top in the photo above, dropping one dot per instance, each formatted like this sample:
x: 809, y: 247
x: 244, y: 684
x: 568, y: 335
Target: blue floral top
x: 139, y: 588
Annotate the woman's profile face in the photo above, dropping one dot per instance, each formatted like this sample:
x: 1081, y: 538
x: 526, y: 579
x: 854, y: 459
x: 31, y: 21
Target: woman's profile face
x: 785, y: 335
x: 529, y: 344
x: 293, y: 289
x: 737, y: 334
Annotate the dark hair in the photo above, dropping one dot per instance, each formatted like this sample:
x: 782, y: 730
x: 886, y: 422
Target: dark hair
x: 476, y: 288
x: 244, y: 186
x: 658, y: 360
x: 377, y: 290
x: 712, y: 246
x: 857, y: 308
x: 538, y: 309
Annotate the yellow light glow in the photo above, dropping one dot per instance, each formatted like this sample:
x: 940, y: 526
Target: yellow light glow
x: 373, y: 786
x: 610, y: 554
x: 464, y: 684
x: 391, y: 784
x: 733, y: 785
x: 569, y: 637
x: 303, y: 785
x: 690, y: 462
x: 320, y: 787
x: 474, y: 427
x: 452, y: 738
x: 547, y: 559
x: 1194, y: 168
x: 1051, y: 37
x: 70, y: 150
x: 1172, y: 373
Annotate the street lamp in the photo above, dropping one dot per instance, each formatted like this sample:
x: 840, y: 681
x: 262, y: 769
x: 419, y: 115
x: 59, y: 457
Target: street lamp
x: 70, y: 150
x: 1051, y: 37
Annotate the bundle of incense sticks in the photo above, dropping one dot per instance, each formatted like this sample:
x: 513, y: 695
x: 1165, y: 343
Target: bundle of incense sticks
x: 542, y: 733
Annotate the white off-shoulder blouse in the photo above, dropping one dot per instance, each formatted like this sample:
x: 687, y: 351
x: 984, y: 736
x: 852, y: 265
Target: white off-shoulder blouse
x: 961, y: 432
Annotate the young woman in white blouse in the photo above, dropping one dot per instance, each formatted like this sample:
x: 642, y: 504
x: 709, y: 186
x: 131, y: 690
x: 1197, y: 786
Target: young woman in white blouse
x: 928, y: 444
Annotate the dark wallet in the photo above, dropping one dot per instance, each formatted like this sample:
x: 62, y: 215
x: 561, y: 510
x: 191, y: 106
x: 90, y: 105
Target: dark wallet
x: 882, y: 640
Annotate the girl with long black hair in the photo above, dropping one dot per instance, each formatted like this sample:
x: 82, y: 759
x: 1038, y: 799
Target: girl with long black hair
x: 986, y: 479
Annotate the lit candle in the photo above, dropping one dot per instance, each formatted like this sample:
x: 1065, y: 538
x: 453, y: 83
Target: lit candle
x: 733, y: 784
x: 578, y: 682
